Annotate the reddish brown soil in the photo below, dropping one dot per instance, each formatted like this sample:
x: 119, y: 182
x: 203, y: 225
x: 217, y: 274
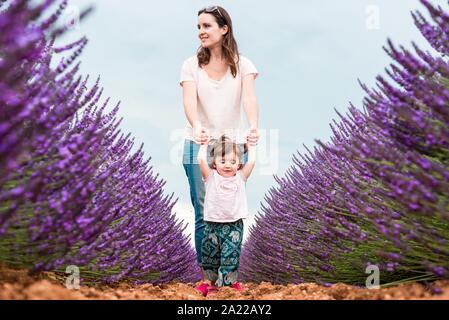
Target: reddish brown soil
x: 17, y: 285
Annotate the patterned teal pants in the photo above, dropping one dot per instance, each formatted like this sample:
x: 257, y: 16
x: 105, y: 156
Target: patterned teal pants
x: 220, y: 251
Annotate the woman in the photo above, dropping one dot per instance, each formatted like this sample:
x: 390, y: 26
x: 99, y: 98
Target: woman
x: 216, y: 82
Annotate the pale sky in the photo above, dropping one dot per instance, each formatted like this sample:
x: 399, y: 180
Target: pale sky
x: 309, y: 55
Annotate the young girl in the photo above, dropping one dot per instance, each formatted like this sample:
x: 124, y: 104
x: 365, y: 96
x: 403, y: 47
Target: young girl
x: 225, y: 206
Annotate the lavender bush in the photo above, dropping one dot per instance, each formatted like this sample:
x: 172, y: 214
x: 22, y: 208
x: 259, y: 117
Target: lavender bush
x: 70, y: 192
x: 378, y: 193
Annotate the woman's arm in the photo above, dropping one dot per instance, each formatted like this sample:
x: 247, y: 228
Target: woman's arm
x: 251, y: 109
x: 250, y: 106
x: 189, y: 94
x: 249, y: 100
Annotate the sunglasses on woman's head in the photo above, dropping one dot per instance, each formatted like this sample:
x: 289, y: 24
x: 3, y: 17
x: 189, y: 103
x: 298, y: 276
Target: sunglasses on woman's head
x: 212, y: 9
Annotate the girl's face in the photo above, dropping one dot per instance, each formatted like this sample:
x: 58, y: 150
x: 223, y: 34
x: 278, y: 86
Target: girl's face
x: 210, y: 34
x: 227, y: 166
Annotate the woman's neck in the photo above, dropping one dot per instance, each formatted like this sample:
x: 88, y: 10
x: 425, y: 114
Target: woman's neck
x: 216, y: 54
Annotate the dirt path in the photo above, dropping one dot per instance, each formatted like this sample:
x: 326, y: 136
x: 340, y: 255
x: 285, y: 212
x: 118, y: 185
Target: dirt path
x: 17, y: 285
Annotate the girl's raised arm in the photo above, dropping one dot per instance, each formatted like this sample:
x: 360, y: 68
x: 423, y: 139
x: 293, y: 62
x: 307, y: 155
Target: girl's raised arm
x: 249, y: 165
x: 202, y: 155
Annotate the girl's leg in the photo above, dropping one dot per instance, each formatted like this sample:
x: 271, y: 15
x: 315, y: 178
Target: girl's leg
x: 210, y: 252
x: 231, y: 235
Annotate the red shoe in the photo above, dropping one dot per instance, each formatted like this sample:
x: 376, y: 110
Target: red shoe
x: 203, y: 288
x: 212, y: 289
x: 236, y: 285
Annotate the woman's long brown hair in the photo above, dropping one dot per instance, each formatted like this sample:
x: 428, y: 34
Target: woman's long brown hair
x: 229, y: 45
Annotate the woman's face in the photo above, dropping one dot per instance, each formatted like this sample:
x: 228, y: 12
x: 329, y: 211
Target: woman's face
x: 210, y: 34
x: 228, y: 165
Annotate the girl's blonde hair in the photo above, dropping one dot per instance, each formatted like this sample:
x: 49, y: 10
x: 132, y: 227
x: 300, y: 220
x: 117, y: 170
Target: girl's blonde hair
x: 224, y: 146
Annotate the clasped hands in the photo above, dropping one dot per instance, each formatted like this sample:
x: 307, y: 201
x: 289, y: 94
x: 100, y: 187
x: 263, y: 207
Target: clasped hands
x: 202, y: 136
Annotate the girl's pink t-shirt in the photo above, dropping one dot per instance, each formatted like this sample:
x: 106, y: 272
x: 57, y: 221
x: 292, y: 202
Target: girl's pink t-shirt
x: 225, y: 198
x: 219, y: 103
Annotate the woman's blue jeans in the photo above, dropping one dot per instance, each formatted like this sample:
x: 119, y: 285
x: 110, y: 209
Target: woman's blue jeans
x: 197, y: 191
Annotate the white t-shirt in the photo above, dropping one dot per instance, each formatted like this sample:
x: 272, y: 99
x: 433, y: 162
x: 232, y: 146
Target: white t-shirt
x: 225, y: 198
x: 219, y: 102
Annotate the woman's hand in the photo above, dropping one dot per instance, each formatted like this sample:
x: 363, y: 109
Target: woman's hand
x: 204, y: 136
x: 253, y: 137
x: 197, y: 133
